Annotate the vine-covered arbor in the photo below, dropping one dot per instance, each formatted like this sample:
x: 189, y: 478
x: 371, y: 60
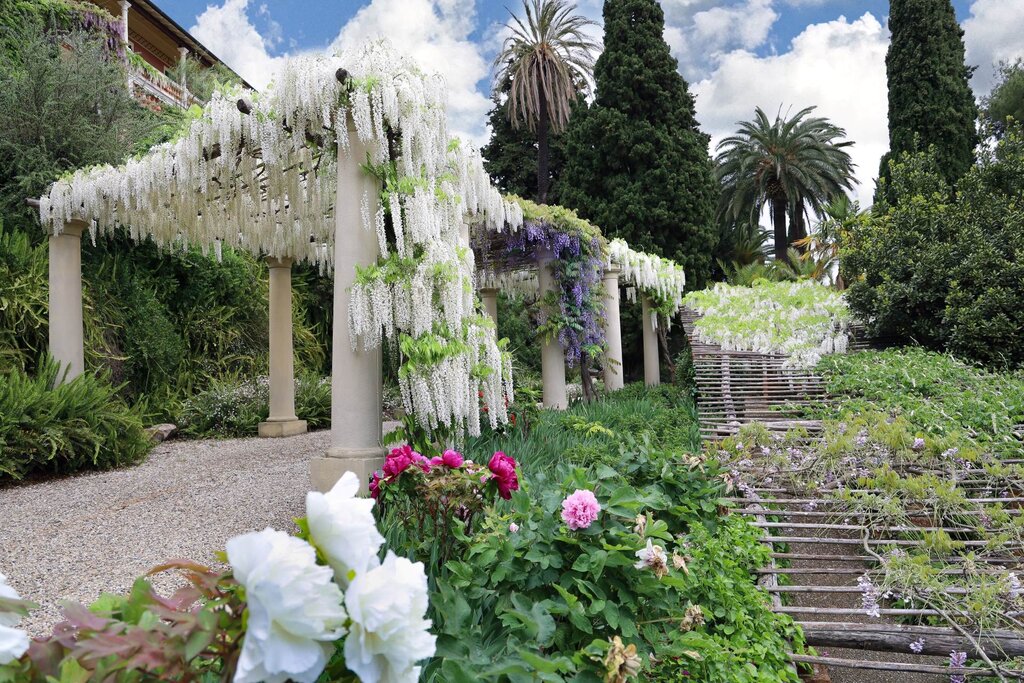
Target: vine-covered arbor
x: 346, y: 163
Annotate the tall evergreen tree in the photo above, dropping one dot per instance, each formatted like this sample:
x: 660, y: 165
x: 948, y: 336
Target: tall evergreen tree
x: 930, y: 99
x: 636, y: 163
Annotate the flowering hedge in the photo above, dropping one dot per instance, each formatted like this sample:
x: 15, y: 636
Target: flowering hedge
x: 804, y: 320
x: 288, y: 608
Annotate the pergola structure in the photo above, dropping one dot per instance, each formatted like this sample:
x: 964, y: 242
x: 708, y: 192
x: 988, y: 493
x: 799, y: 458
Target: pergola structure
x: 346, y: 164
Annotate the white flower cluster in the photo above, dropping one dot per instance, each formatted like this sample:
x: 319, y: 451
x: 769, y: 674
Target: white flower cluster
x: 13, y: 642
x: 265, y: 181
x: 803, y: 320
x: 297, y: 608
x: 652, y: 275
x: 518, y: 283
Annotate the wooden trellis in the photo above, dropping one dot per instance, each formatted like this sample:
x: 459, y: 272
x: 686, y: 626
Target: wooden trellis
x: 821, y: 553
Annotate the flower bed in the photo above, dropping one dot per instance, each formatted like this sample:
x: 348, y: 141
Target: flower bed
x: 803, y: 320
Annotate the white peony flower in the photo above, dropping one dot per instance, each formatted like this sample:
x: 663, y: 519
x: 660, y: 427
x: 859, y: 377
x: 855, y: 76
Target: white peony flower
x: 342, y: 527
x: 295, y: 609
x: 13, y: 642
x: 389, y: 632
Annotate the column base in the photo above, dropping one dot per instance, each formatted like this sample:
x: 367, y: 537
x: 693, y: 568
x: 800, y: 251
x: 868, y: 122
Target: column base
x: 276, y: 429
x: 324, y: 472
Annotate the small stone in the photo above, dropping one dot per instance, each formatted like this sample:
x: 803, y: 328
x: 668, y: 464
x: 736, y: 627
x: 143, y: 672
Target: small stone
x: 162, y: 432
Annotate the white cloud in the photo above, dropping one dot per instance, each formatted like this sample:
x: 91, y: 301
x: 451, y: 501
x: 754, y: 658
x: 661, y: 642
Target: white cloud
x: 699, y: 31
x: 839, y: 66
x: 228, y: 33
x: 435, y: 33
x: 992, y: 34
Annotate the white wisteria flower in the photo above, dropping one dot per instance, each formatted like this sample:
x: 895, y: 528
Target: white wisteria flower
x: 295, y: 609
x: 341, y: 525
x: 389, y: 632
x: 13, y: 642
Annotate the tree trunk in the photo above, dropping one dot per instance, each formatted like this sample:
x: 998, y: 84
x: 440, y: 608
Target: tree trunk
x: 663, y: 339
x: 542, y: 151
x: 779, y: 223
x: 585, y: 380
x: 797, y: 227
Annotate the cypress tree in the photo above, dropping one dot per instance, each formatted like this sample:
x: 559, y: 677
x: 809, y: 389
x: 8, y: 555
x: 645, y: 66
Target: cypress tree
x: 930, y: 99
x: 637, y: 164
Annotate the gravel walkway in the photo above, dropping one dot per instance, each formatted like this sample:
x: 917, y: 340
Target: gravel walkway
x: 75, y: 537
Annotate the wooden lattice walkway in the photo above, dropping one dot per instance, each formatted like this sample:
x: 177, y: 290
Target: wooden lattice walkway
x: 818, y: 553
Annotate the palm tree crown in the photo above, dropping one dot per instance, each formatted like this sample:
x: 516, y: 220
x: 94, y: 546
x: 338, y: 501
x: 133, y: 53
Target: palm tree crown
x: 548, y: 60
x: 788, y: 164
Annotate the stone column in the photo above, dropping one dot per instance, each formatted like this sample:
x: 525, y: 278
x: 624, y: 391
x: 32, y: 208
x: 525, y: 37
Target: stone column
x: 282, y: 420
x: 552, y: 356
x: 613, y: 378
x: 652, y: 370
x: 356, y: 374
x: 124, y: 19
x: 489, y: 295
x: 67, y: 333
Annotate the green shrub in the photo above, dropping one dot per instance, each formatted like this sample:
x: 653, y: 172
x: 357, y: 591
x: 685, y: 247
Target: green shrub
x: 945, y: 270
x: 935, y: 393
x: 230, y: 408
x: 46, y: 427
x: 590, y: 433
x: 540, y: 598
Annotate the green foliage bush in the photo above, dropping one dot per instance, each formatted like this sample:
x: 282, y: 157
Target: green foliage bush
x: 946, y: 271
x: 47, y: 427
x: 235, y: 407
x: 936, y: 393
x: 544, y: 600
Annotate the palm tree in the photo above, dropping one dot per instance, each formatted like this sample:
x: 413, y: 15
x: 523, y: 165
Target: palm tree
x: 547, y: 60
x: 790, y: 165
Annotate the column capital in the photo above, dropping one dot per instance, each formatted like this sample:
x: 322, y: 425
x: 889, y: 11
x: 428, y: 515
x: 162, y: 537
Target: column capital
x: 73, y: 228
x: 612, y: 271
x: 124, y: 5
x: 279, y: 261
x: 489, y: 291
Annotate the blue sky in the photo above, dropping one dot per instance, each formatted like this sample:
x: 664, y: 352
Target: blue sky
x: 736, y: 54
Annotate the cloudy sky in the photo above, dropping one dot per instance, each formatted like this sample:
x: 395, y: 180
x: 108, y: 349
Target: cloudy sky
x: 736, y: 54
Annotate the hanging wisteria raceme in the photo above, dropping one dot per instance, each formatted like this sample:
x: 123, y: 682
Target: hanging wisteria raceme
x: 660, y: 279
x: 804, y: 320
x: 260, y: 174
x: 522, y: 284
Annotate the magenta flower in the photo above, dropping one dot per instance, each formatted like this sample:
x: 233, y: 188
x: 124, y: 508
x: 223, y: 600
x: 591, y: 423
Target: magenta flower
x: 375, y: 481
x: 399, y: 459
x: 580, y: 509
x: 421, y: 461
x: 452, y: 459
x: 503, y: 467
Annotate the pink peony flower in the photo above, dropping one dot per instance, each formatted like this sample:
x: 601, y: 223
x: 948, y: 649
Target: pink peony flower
x: 398, y: 461
x: 375, y: 481
x: 580, y: 509
x: 421, y: 461
x: 436, y: 461
x: 513, y: 527
x: 452, y: 459
x: 503, y: 468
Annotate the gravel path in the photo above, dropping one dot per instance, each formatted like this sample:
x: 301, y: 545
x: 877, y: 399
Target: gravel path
x: 75, y: 537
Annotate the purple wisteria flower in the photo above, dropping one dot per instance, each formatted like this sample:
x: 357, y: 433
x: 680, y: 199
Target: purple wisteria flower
x: 869, y: 596
x: 917, y: 646
x: 957, y: 660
